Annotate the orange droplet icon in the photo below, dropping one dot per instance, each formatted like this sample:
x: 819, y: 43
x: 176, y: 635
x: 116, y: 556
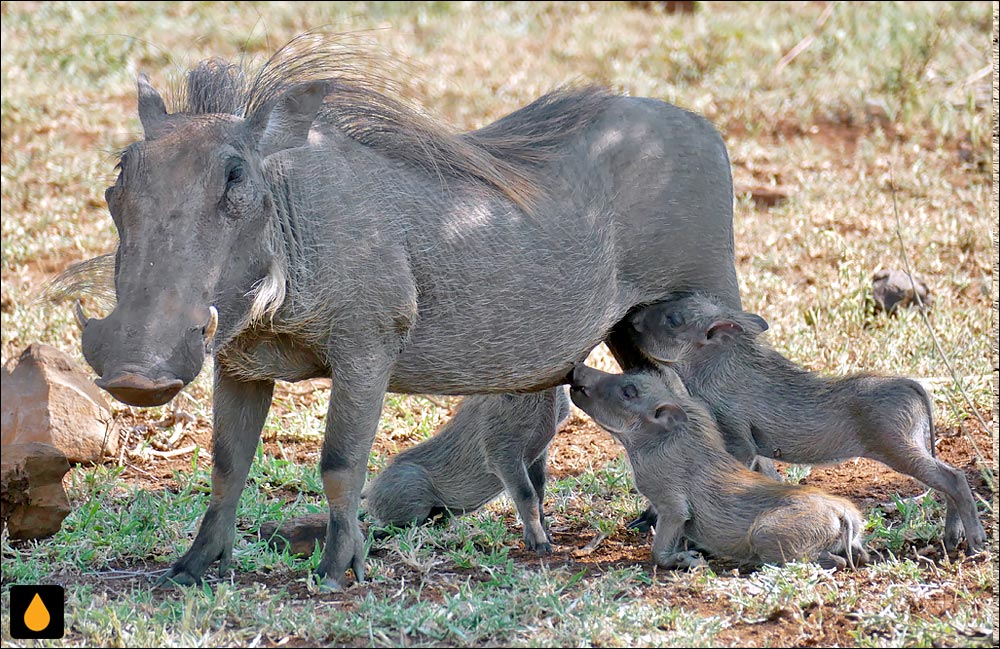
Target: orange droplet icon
x: 37, y: 616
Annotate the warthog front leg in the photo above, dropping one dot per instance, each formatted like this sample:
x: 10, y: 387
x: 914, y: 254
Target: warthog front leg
x: 668, y: 535
x: 351, y: 423
x: 239, y: 411
x: 622, y: 342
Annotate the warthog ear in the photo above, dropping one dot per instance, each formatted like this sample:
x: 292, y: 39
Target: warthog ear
x: 757, y: 324
x: 668, y: 415
x: 723, y: 330
x: 672, y: 380
x: 285, y: 122
x: 152, y: 110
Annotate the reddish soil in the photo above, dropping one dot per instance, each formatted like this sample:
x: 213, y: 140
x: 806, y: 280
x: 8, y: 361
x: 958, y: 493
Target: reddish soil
x: 581, y: 446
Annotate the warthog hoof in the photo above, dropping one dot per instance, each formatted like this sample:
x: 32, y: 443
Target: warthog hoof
x: 344, y: 550
x: 539, y: 548
x: 688, y: 560
x: 176, y: 577
x: 975, y: 542
x: 330, y: 585
x: 645, y: 522
x: 206, y: 550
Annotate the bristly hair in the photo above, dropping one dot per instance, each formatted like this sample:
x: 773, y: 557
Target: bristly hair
x: 94, y: 277
x: 503, y: 155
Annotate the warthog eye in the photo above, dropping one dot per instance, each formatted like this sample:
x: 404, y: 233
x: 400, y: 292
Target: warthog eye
x: 629, y: 391
x: 674, y: 319
x: 234, y: 173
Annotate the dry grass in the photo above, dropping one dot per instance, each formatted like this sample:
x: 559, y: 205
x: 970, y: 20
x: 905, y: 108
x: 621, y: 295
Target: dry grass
x: 886, y: 89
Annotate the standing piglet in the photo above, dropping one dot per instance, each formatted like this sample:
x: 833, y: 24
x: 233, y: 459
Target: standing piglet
x: 703, y: 493
x: 488, y: 446
x: 766, y: 405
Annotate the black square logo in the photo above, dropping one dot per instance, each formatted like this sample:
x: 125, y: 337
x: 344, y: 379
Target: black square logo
x: 36, y: 612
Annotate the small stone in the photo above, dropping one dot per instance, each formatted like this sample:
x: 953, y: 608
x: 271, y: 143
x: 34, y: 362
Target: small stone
x: 892, y: 289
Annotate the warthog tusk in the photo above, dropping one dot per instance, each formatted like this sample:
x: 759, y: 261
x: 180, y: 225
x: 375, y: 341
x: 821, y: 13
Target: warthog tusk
x: 212, y: 326
x: 81, y: 320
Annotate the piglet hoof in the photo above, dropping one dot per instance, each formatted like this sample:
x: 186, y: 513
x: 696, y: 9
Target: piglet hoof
x: 689, y: 560
x: 975, y: 540
x: 645, y: 522
x: 540, y: 549
x: 829, y: 561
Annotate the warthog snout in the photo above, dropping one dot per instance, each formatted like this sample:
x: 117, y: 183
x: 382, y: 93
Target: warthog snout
x: 136, y: 390
x: 582, y: 380
x: 145, y: 363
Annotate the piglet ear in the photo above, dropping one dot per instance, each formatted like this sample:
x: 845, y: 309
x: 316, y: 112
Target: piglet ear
x: 758, y: 325
x: 722, y: 330
x: 669, y: 415
x: 152, y: 110
x: 672, y: 380
x: 637, y: 320
x: 285, y: 122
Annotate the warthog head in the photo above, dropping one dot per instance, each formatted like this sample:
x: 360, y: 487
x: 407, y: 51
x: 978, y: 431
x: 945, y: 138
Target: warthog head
x: 191, y: 205
x: 628, y: 405
x: 687, y: 329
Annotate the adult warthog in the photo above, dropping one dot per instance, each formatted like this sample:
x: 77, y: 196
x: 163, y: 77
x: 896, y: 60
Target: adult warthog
x: 318, y: 227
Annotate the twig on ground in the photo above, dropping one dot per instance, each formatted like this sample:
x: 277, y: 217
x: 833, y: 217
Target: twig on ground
x: 981, y: 73
x: 134, y: 467
x: 145, y: 452
x: 437, y: 403
x: 112, y: 574
x: 591, y: 546
x: 807, y: 41
x: 174, y: 453
x: 126, y: 437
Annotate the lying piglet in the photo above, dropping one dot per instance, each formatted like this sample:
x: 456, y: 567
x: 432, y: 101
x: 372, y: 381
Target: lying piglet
x: 483, y: 450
